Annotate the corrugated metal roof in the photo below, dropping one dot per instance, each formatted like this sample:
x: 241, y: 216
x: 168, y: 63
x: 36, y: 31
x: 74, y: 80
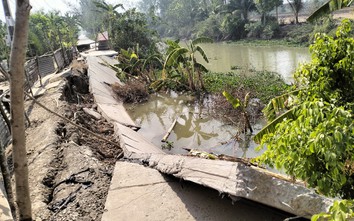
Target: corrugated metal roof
x: 85, y: 41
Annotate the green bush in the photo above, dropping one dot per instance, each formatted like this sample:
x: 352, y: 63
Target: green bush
x: 314, y: 140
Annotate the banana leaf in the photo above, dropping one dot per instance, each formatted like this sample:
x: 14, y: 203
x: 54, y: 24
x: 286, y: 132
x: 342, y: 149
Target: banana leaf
x: 201, y: 51
x: 270, y: 128
x: 235, y: 102
x: 278, y: 104
x: 174, y: 55
x: 202, y: 40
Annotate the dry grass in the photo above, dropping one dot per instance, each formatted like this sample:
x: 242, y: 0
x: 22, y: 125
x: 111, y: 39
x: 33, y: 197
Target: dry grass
x: 131, y: 92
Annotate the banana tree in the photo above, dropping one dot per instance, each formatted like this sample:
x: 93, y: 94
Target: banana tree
x: 183, y: 60
x: 131, y: 66
x: 278, y: 109
x: 328, y: 7
x: 238, y: 104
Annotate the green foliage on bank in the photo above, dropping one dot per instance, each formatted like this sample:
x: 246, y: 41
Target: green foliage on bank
x: 262, y: 84
x: 315, y: 140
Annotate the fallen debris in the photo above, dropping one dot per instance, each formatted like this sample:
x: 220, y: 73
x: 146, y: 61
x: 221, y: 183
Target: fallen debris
x: 169, y: 130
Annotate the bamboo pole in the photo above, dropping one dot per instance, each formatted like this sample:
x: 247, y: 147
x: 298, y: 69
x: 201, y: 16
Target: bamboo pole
x: 164, y: 139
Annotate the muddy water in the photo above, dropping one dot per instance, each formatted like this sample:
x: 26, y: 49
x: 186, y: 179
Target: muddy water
x: 281, y: 59
x: 195, y: 128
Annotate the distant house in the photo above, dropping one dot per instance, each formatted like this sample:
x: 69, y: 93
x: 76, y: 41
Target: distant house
x: 84, y: 43
x: 102, y: 39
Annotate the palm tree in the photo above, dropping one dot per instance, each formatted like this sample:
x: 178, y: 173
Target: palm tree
x: 110, y: 11
x: 242, y: 7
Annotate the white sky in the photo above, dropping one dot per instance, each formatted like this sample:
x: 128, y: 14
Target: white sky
x: 60, y: 5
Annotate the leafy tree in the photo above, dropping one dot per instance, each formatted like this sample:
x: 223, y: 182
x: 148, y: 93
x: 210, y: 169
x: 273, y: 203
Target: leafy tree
x: 237, y: 103
x: 50, y: 31
x: 110, y: 13
x: 314, y: 139
x: 235, y: 14
x: 243, y: 7
x: 340, y: 211
x: 296, y: 6
x: 130, y: 30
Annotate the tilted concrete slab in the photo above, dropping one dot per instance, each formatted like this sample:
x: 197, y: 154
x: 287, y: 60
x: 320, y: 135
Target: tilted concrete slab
x: 133, y: 142
x: 240, y: 180
x: 142, y: 193
x: 109, y: 107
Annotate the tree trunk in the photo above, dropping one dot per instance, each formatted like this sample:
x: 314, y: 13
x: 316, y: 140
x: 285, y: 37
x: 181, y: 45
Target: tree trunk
x: 17, y: 81
x: 297, y: 17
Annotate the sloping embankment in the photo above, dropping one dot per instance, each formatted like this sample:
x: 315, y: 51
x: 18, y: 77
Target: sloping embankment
x: 235, y: 179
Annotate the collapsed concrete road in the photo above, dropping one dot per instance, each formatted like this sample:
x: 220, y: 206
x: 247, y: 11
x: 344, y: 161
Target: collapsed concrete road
x: 234, y: 179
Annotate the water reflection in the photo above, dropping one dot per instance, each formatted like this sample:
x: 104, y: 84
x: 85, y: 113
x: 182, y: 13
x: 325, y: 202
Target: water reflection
x: 280, y: 59
x: 188, y: 126
x: 194, y: 129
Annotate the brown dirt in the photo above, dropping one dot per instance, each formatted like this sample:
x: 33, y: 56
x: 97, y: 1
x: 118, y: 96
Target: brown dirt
x: 132, y: 92
x: 69, y: 171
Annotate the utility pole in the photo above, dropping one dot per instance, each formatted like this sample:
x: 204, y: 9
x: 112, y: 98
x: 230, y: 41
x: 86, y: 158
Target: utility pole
x: 9, y: 22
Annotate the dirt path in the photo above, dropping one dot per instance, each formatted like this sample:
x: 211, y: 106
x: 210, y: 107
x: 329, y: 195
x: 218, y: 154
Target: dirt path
x: 70, y: 171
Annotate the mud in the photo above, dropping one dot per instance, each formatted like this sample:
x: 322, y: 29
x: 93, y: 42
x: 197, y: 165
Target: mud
x: 69, y: 171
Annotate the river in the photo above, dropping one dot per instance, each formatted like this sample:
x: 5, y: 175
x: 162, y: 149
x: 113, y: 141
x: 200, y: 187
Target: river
x: 281, y: 59
x: 194, y: 128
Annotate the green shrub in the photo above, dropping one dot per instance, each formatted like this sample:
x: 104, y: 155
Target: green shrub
x: 314, y: 139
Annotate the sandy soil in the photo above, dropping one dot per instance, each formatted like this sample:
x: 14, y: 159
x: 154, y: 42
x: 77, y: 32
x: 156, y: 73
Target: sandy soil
x: 69, y: 171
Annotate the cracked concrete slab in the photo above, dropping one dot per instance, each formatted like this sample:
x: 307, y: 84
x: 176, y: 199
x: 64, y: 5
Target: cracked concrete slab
x: 142, y: 193
x: 100, y: 76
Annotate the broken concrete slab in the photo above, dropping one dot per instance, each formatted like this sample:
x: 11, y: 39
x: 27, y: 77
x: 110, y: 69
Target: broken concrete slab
x: 133, y: 142
x: 142, y: 193
x: 39, y: 91
x: 50, y: 81
x: 92, y: 113
x: 100, y: 76
x: 240, y: 180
